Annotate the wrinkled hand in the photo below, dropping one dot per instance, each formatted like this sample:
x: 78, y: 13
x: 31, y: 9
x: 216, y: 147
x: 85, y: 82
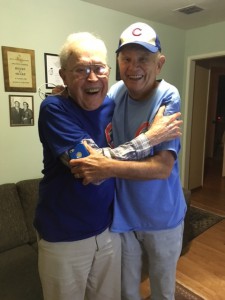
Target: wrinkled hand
x: 92, y: 168
x: 164, y: 128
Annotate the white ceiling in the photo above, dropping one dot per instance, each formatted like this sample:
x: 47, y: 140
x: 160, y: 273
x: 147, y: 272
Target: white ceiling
x: 163, y: 11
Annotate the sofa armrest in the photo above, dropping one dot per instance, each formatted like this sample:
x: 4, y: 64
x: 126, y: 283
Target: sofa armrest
x: 13, y: 230
x: 28, y: 192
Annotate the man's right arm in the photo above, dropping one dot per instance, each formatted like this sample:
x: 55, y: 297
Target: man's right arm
x: 163, y: 128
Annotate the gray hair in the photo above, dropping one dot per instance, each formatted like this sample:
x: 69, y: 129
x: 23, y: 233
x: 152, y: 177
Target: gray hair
x: 77, y: 43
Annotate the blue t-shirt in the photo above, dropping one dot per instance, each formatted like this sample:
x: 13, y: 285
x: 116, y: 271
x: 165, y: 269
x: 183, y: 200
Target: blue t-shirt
x: 146, y: 204
x: 67, y: 210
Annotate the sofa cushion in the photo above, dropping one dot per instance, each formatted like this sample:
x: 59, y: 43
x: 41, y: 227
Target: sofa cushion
x: 28, y: 192
x: 13, y: 230
x: 19, y: 278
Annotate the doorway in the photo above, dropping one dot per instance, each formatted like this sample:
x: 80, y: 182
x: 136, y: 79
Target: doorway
x: 220, y: 118
x: 195, y: 153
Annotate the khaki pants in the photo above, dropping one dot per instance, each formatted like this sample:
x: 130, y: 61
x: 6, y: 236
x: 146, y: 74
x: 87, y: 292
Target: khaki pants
x: 87, y: 269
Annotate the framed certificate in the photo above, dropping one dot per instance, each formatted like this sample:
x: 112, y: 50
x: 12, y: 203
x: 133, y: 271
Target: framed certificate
x: 19, y: 69
x: 52, y: 66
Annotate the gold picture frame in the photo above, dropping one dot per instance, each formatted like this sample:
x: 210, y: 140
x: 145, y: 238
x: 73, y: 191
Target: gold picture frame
x: 19, y: 69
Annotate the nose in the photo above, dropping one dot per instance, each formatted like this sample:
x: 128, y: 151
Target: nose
x: 134, y: 64
x: 92, y: 76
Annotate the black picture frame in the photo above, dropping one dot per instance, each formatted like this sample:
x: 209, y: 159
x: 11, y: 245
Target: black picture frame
x: 52, y: 67
x: 21, y: 110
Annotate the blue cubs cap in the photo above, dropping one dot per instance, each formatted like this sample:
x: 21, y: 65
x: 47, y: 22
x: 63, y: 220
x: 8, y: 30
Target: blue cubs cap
x: 141, y: 34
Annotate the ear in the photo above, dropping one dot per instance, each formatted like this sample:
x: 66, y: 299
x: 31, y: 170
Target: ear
x: 161, y: 62
x: 63, y: 75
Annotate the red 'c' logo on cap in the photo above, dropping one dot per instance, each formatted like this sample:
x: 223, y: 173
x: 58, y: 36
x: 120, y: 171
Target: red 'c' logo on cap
x: 136, y: 32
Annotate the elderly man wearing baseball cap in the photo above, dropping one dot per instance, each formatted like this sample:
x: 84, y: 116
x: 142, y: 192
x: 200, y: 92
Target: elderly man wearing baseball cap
x: 150, y: 207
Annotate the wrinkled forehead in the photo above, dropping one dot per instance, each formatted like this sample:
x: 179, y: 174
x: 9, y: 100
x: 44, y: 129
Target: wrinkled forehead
x: 86, y: 59
x: 87, y: 54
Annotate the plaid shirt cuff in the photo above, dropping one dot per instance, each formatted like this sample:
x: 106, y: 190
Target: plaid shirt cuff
x: 136, y: 149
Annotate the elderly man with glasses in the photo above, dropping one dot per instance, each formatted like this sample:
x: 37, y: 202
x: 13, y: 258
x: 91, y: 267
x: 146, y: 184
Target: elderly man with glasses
x: 79, y: 258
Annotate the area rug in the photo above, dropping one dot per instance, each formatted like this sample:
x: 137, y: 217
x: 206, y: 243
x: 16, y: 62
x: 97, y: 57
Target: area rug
x: 201, y: 220
x: 182, y: 293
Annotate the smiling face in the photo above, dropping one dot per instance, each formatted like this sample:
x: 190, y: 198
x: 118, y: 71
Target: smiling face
x: 88, y: 92
x: 139, y: 69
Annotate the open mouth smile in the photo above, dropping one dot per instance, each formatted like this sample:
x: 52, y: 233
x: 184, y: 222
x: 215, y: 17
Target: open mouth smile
x: 92, y: 90
x: 135, y: 77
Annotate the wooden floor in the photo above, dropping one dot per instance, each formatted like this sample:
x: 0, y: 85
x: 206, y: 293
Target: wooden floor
x: 211, y: 196
x: 202, y: 268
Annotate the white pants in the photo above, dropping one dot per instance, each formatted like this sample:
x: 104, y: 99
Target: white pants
x: 87, y: 269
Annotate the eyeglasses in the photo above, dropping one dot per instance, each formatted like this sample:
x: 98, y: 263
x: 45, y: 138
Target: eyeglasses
x: 83, y: 71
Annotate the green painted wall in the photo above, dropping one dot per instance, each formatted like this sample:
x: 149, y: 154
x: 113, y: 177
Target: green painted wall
x: 43, y: 26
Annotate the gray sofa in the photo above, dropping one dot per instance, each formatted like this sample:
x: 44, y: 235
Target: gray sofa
x: 19, y: 279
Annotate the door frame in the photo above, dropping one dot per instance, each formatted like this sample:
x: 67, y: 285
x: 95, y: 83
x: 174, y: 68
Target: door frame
x: 187, y: 111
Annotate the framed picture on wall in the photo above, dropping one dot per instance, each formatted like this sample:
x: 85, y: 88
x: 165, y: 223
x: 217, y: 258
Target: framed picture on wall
x: 19, y: 69
x: 52, y: 66
x: 21, y: 110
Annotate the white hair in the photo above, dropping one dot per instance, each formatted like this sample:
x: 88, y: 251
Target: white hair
x: 77, y: 43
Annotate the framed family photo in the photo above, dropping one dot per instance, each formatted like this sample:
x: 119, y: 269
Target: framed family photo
x: 21, y: 110
x: 52, y: 66
x: 18, y: 69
